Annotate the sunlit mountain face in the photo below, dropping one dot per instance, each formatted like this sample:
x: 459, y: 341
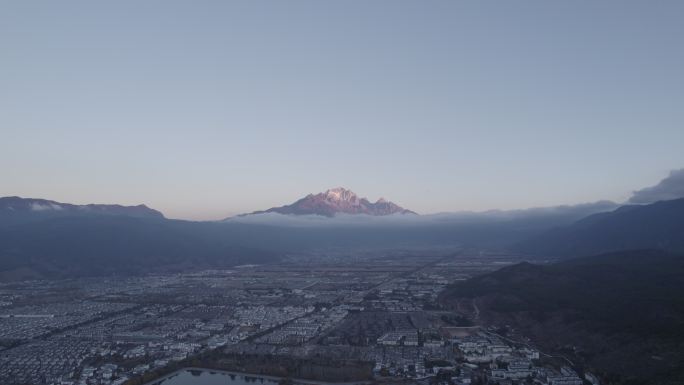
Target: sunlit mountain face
x: 338, y: 201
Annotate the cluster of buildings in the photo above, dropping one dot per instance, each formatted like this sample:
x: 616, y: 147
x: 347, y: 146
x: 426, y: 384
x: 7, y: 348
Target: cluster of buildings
x: 109, y: 331
x: 401, y: 337
x: 42, y: 361
x: 306, y: 327
x: 33, y: 321
x: 506, y: 364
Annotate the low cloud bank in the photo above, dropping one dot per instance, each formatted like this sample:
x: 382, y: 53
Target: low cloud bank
x: 572, y: 212
x: 672, y: 187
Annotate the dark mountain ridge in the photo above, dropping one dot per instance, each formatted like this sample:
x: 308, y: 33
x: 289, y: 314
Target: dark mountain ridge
x: 19, y: 210
x: 614, y: 309
x: 118, y: 245
x: 42, y: 238
x: 659, y: 225
x: 49, y: 239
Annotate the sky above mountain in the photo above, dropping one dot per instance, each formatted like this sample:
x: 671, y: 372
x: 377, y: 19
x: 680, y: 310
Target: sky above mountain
x: 211, y: 109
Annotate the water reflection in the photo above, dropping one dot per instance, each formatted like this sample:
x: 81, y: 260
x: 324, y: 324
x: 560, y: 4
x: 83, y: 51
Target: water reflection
x: 202, y: 377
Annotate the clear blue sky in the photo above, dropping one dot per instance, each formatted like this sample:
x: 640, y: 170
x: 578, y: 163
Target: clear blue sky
x: 204, y: 109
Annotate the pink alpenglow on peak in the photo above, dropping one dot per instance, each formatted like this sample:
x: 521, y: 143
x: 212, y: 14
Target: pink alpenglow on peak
x: 338, y: 201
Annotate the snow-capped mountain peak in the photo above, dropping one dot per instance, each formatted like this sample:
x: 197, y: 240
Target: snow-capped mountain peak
x: 338, y: 200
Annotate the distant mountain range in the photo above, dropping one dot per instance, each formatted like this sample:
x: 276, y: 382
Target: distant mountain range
x: 659, y: 225
x: 18, y: 210
x: 44, y: 238
x: 47, y: 239
x: 338, y: 201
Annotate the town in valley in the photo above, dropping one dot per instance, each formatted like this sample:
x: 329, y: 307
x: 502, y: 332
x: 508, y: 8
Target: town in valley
x: 370, y: 317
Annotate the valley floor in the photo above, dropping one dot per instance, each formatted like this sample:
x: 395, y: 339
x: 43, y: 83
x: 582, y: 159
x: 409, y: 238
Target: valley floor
x: 325, y: 316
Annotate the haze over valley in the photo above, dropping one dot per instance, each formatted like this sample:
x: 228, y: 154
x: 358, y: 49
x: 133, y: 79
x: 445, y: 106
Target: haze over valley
x: 341, y: 192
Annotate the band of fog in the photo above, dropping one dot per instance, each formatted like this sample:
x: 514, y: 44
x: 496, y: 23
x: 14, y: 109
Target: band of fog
x: 672, y: 187
x: 465, y: 217
x: 669, y: 188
